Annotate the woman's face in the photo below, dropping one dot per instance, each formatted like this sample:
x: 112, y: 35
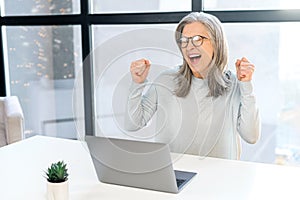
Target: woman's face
x: 197, y: 57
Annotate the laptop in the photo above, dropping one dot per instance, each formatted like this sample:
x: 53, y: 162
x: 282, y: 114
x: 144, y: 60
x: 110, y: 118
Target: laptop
x: 139, y: 164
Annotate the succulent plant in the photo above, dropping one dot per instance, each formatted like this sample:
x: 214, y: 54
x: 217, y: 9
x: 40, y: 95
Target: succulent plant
x: 57, y: 172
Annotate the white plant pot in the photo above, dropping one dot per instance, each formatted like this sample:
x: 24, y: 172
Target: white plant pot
x: 58, y: 191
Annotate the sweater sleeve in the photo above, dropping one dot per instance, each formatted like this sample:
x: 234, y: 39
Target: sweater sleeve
x: 140, y: 106
x: 248, y: 123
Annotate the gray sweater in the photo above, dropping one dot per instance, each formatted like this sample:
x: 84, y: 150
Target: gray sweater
x: 196, y: 124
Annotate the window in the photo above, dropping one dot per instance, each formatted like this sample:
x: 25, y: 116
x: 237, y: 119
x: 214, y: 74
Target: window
x: 137, y: 6
x: 111, y: 68
x: 40, y: 7
x: 250, y: 5
x: 42, y: 64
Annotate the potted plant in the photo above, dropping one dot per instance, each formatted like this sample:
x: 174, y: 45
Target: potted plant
x: 57, y: 181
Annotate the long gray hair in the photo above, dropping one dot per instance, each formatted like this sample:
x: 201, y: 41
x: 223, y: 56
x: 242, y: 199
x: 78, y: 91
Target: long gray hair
x: 218, y: 79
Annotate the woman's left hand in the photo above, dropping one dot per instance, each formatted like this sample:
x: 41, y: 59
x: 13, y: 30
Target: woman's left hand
x: 244, y: 69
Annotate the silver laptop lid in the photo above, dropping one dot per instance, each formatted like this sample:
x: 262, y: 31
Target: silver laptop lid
x: 133, y: 163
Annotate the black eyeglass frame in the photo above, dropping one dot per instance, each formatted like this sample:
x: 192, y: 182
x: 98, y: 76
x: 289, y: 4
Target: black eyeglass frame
x: 192, y: 39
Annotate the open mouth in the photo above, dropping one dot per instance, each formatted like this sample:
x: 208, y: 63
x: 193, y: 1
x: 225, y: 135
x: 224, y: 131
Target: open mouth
x: 194, y: 58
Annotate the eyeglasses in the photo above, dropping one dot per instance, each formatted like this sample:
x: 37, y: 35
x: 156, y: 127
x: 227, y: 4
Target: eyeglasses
x: 197, y: 41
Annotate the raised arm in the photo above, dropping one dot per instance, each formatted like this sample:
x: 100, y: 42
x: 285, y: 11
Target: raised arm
x: 141, y: 105
x: 248, y: 123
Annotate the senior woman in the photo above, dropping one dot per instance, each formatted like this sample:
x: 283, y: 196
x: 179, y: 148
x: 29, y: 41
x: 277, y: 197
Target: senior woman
x: 201, y: 107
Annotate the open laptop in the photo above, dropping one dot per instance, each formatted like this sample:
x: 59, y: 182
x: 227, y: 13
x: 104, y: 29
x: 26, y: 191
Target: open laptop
x: 138, y: 164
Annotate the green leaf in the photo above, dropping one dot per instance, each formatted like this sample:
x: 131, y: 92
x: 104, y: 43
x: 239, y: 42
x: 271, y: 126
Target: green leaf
x: 57, y: 172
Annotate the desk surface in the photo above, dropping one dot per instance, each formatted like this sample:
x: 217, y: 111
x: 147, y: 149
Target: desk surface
x: 22, y: 166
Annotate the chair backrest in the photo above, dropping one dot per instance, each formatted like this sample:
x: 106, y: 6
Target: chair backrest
x: 12, y: 120
x: 3, y: 141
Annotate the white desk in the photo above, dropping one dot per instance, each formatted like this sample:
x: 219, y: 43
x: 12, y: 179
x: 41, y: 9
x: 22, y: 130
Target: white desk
x: 22, y: 168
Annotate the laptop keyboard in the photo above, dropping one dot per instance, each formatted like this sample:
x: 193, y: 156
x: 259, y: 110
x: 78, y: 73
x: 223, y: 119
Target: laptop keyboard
x: 179, y: 182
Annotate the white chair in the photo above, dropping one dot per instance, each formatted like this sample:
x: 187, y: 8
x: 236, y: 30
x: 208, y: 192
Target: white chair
x: 11, y: 120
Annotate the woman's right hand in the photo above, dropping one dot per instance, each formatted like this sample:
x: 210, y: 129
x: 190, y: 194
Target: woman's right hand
x: 139, y: 70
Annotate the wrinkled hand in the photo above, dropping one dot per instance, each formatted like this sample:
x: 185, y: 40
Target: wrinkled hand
x: 139, y: 70
x: 244, y: 69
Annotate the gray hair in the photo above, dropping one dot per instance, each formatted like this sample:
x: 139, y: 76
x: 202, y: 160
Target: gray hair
x: 218, y: 79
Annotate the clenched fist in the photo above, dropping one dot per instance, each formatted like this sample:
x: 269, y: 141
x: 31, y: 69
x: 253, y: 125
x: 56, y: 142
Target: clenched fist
x: 244, y: 69
x: 139, y: 70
